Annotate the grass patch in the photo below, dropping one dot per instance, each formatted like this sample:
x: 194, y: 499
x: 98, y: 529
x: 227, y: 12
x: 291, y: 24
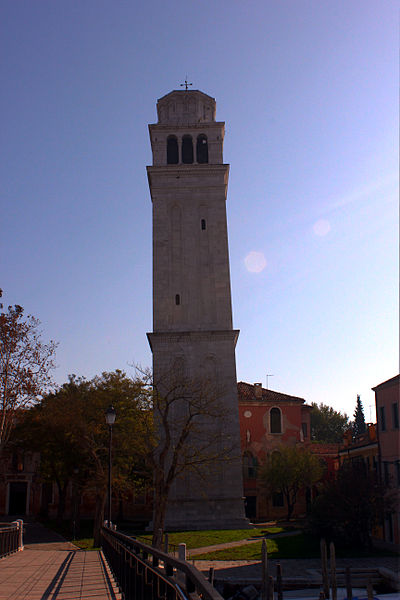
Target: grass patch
x: 85, y: 544
x: 271, y: 530
x: 296, y: 546
x: 285, y: 547
x: 198, y: 539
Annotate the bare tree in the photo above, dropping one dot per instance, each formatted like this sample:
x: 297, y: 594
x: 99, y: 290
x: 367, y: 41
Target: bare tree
x: 179, y: 436
x: 25, y: 365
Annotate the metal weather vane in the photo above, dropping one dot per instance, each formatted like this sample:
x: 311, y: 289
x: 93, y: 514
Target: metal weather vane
x: 186, y: 84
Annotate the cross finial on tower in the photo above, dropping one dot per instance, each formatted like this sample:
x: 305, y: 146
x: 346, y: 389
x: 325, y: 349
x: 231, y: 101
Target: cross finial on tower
x: 186, y: 84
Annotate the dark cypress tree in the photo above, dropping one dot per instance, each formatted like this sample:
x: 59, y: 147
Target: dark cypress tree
x: 359, y: 425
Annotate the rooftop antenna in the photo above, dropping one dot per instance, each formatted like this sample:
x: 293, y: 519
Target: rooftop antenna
x: 186, y: 84
x: 268, y: 375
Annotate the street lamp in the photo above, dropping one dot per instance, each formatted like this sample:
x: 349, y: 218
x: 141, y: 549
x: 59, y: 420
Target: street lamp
x: 110, y: 419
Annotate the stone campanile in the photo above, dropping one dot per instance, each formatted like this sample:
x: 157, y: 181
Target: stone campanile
x: 192, y: 313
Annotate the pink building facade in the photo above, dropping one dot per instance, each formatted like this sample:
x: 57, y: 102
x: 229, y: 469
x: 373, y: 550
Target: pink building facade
x: 387, y: 396
x: 269, y: 419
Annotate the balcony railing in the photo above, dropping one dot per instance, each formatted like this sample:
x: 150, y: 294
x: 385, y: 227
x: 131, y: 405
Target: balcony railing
x: 144, y: 573
x: 10, y: 537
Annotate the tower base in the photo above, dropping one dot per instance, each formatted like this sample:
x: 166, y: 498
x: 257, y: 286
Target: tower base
x: 200, y: 514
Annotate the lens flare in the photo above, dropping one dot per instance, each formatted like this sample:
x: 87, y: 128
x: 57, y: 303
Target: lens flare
x: 255, y: 262
x: 321, y: 227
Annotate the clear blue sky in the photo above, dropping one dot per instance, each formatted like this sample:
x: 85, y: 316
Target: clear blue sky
x: 308, y: 91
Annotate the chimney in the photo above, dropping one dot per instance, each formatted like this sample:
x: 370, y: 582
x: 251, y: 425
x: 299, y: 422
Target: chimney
x: 258, y: 390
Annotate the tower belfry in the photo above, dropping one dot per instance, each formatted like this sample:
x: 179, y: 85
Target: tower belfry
x: 192, y: 314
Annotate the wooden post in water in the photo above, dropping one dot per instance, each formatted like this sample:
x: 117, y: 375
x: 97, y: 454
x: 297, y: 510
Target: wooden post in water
x: 211, y: 575
x: 333, y: 570
x: 270, y: 588
x: 264, y: 574
x: 166, y: 543
x: 324, y: 568
x: 370, y: 591
x: 182, y: 551
x: 349, y: 590
x: 279, y: 587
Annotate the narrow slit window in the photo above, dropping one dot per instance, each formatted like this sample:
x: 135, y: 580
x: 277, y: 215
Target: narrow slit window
x: 177, y: 299
x: 203, y: 224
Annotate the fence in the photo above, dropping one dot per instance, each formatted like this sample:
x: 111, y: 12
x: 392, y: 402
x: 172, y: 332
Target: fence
x: 144, y: 573
x: 10, y: 537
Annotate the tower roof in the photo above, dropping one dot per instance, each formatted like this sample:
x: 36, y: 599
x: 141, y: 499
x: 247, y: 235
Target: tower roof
x: 185, y: 107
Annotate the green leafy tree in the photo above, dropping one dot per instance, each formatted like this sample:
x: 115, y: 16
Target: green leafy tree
x: 359, y: 425
x: 25, y: 365
x: 288, y: 470
x: 327, y: 425
x: 68, y: 428
x: 348, y: 507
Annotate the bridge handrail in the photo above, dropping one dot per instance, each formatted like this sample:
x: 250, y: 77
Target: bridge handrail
x: 10, y: 538
x: 194, y: 580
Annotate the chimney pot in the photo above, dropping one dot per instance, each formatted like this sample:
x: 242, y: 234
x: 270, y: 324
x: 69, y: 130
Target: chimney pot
x: 257, y: 390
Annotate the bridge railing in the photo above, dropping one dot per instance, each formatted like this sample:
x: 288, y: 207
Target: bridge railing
x: 145, y: 573
x: 10, y: 537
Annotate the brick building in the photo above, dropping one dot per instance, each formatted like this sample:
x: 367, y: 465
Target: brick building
x: 269, y: 419
x: 388, y: 433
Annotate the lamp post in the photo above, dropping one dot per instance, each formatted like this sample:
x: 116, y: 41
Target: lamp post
x: 110, y: 419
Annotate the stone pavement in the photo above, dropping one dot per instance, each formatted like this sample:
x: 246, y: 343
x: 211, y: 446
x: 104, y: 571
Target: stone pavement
x: 55, y: 575
x: 250, y: 571
x: 50, y: 568
x: 305, y: 569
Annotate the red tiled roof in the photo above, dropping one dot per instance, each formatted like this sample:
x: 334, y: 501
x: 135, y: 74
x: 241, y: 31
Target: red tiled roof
x: 246, y: 394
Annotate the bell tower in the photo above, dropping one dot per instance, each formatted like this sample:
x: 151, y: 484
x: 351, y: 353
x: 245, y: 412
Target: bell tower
x: 192, y: 313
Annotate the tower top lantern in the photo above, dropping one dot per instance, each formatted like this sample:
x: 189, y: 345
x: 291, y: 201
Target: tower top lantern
x: 184, y: 107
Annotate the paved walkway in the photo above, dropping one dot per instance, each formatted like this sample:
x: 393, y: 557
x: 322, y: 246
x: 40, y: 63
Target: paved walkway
x: 55, y: 574
x: 50, y: 568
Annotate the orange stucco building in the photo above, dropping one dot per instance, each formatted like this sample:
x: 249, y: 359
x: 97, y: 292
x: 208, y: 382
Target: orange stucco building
x: 387, y: 395
x: 269, y: 419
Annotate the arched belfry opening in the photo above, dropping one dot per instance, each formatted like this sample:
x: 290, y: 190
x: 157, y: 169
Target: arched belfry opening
x: 187, y: 150
x: 202, y: 149
x: 172, y: 150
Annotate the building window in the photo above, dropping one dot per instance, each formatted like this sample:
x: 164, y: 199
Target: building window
x: 203, y: 224
x: 172, y: 150
x: 398, y: 472
x: 202, y: 149
x: 395, y: 415
x: 177, y: 299
x: 386, y: 477
x: 275, y: 420
x: 250, y: 464
x: 304, y: 429
x: 277, y: 499
x: 187, y: 150
x: 382, y: 418
x: 18, y: 461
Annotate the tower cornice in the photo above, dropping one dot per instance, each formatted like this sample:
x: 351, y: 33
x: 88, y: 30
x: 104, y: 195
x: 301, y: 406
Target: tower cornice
x: 175, y: 337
